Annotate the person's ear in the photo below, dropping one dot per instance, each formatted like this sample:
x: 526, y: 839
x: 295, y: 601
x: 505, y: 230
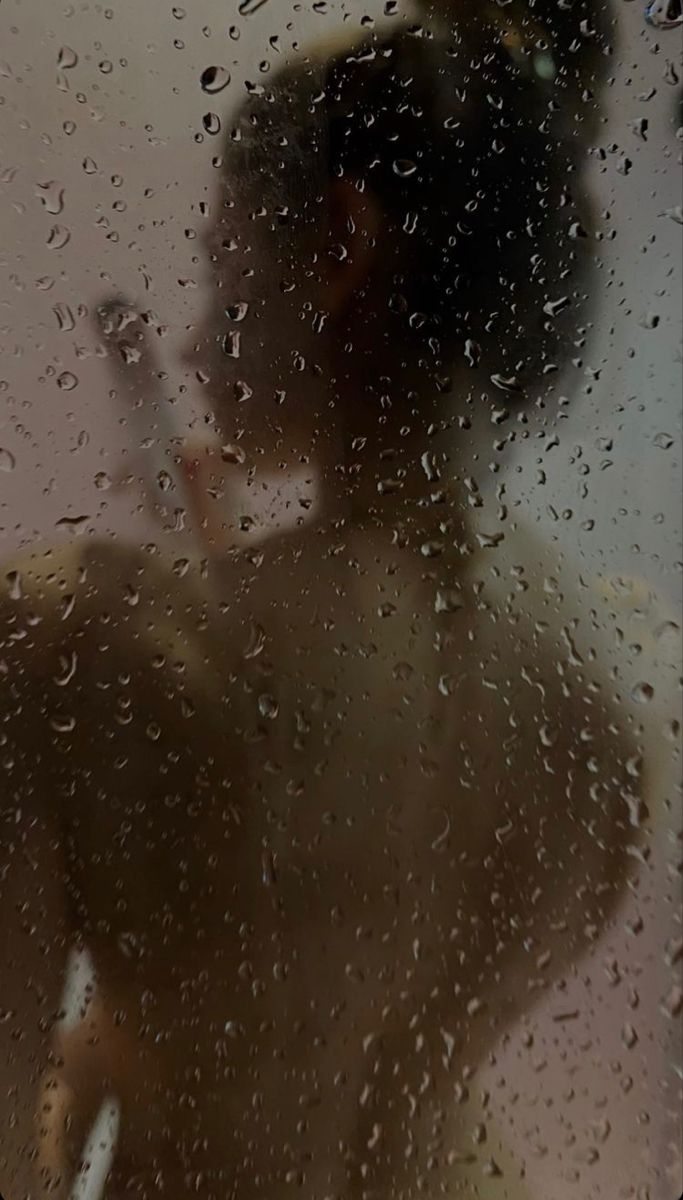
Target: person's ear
x: 355, y: 220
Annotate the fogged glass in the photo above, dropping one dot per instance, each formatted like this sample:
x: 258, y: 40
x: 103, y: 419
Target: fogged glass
x: 340, y: 618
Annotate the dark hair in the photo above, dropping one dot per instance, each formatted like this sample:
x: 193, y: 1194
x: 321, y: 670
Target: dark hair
x: 473, y: 140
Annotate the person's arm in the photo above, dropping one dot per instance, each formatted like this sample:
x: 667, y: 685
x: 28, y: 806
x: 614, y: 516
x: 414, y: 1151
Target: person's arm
x: 34, y: 937
x: 78, y: 1115
x: 35, y: 923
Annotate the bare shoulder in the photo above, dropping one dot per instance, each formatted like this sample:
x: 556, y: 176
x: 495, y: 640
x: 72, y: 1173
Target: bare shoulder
x: 89, y: 599
x: 76, y: 618
x: 90, y: 635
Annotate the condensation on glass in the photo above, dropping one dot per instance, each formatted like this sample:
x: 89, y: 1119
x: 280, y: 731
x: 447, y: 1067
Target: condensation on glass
x: 340, y: 600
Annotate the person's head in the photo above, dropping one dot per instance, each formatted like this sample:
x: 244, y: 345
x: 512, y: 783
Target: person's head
x: 396, y: 212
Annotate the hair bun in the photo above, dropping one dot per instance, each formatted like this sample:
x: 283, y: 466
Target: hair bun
x: 570, y: 38
x: 470, y: 131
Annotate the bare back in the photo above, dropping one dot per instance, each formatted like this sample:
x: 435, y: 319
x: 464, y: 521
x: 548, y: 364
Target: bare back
x: 335, y: 810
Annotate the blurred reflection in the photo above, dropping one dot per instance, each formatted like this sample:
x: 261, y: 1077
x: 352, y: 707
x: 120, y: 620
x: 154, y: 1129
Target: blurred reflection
x: 321, y: 803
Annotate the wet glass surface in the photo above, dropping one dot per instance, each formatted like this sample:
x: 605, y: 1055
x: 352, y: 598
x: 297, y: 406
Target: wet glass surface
x: 340, y: 616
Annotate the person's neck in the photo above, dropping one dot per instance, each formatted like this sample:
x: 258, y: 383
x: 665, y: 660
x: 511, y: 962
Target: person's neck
x: 398, y: 464
x: 381, y: 460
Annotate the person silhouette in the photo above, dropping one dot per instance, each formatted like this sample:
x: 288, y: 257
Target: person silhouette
x: 331, y: 810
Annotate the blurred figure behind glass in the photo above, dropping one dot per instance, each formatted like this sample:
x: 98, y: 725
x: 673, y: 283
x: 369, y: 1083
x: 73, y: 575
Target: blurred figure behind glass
x: 329, y: 813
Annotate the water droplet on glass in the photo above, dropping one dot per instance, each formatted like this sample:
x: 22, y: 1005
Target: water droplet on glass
x: 66, y: 58
x: 257, y: 640
x: 664, y: 14
x: 68, y: 664
x: 404, y: 167
x: 242, y: 391
x: 232, y: 454
x: 62, y: 723
x: 248, y: 7
x: 472, y: 352
x: 58, y: 237
x: 650, y: 320
x: 268, y: 706
x: 65, y: 317
x: 51, y: 196
x: 446, y: 685
x: 429, y: 467
x: 211, y: 122
x: 130, y: 354
x: 67, y: 381
x: 14, y: 585
x: 237, y: 311
x: 508, y: 383
x: 491, y: 1169
x: 432, y: 548
x: 448, y: 600
x: 629, y: 1036
x: 75, y: 525
x: 7, y: 460
x: 231, y: 344
x: 672, y: 1003
x: 553, y: 307
x: 214, y: 79
x: 387, y: 609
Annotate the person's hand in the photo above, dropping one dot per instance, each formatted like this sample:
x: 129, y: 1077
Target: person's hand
x: 147, y: 407
x: 76, y: 1118
x: 179, y: 475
